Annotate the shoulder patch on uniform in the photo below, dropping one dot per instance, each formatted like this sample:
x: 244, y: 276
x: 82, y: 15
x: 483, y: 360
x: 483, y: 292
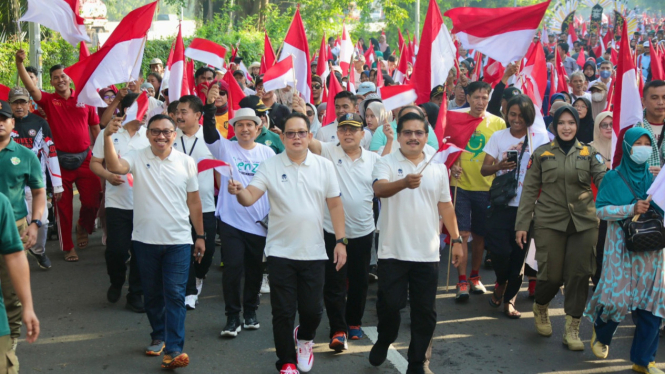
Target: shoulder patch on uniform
x: 599, y: 158
x: 584, y: 151
x: 547, y: 153
x: 528, y: 166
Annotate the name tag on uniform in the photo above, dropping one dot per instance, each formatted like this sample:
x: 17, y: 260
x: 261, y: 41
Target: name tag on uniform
x: 584, y: 158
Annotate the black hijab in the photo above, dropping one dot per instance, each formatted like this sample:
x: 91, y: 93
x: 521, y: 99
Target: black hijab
x: 432, y: 111
x: 585, y: 125
x: 565, y: 145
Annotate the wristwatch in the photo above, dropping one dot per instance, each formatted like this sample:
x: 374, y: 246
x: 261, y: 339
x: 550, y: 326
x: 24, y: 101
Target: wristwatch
x: 458, y: 240
x: 344, y: 241
x: 36, y: 222
x: 201, y: 237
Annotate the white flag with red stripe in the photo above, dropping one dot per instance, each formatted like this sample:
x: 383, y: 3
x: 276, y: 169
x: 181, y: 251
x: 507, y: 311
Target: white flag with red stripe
x: 503, y: 34
x: 295, y: 45
x: 58, y: 15
x: 397, y: 96
x: 138, y: 109
x: 279, y: 75
x: 220, y: 166
x: 178, y: 85
x: 118, y: 61
x: 446, y: 149
x: 206, y: 51
x: 345, y: 51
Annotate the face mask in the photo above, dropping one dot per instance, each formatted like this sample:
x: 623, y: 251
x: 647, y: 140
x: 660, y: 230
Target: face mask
x: 605, y: 74
x: 597, y: 97
x: 641, y: 153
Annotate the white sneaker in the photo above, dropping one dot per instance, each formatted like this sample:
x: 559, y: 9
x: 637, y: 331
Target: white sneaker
x: 199, y: 286
x: 190, y: 302
x: 305, y: 352
x: 265, y: 285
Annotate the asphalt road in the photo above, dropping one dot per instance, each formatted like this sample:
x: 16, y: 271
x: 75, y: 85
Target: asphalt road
x: 83, y: 333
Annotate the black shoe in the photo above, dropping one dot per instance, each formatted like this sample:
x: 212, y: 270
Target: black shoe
x: 378, y: 354
x: 251, y: 323
x: 372, y: 274
x: 135, y: 305
x: 113, y: 294
x: 232, y: 327
x: 42, y: 260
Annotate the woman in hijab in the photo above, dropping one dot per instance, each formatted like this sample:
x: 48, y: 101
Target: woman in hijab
x: 383, y: 46
x: 589, y: 71
x: 566, y: 97
x: 602, y: 142
x: 631, y: 282
x: 312, y: 114
x: 377, y: 115
x: 555, y: 98
x: 565, y: 227
x: 585, y: 129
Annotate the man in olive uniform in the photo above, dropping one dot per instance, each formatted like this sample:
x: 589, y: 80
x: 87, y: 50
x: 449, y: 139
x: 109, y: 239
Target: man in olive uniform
x: 565, y: 228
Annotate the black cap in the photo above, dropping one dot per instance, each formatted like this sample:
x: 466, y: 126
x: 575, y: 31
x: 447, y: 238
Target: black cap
x: 238, y: 72
x: 5, y: 109
x: 351, y: 119
x: 510, y: 92
x: 436, y: 91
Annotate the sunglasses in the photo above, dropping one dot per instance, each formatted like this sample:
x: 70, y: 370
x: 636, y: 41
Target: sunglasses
x: 316, y: 86
x: 605, y: 126
x: 292, y: 134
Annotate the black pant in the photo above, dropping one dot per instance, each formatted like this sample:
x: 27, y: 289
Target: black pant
x: 343, y: 312
x: 197, y: 270
x: 421, y: 278
x: 507, y: 257
x: 600, y: 251
x: 243, y: 253
x: 294, y: 286
x: 120, y: 224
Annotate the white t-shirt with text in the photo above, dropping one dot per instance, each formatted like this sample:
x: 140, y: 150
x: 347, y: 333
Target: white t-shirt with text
x: 502, y: 141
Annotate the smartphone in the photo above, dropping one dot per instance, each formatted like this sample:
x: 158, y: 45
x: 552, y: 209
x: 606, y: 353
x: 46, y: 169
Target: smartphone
x: 512, y: 156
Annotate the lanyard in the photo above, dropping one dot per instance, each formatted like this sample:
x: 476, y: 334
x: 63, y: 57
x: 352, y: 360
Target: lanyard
x: 185, y: 149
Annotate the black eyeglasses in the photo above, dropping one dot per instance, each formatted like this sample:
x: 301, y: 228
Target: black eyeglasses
x: 156, y: 132
x: 292, y: 134
x: 418, y: 133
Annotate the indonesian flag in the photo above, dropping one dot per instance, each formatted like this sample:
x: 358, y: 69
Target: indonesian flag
x: 656, y: 64
x: 580, y: 58
x: 242, y: 67
x: 400, y: 74
x: 178, y: 86
x: 220, y: 166
x: 334, y: 89
x: 627, y: 105
x: 493, y: 72
x: 456, y: 128
x: 572, y: 35
x: 397, y: 96
x: 190, y: 68
x: 322, y: 68
x: 447, y: 154
x: 345, y: 51
x: 207, y: 52
x: 369, y: 55
x: 83, y: 51
x: 657, y: 190
x: 280, y: 75
x: 478, y: 67
x: 351, y: 86
x: 544, y: 37
x: 501, y: 33
x: 562, y: 78
x: 437, y: 54
x: 379, y: 78
x: 4, y: 92
x: 400, y: 41
x: 234, y: 95
x: 138, y: 109
x: 268, y: 59
x: 295, y: 44
x: 58, y: 15
x: 118, y: 61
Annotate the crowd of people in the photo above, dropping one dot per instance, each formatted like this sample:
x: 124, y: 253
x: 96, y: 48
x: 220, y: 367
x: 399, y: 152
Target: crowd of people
x: 311, y: 212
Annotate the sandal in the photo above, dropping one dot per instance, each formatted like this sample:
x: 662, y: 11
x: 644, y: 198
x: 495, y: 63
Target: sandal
x: 495, y: 301
x: 514, y: 314
x: 81, y: 237
x: 71, y: 256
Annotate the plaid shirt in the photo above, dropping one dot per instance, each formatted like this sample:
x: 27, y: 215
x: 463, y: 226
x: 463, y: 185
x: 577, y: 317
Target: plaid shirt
x: 657, y: 156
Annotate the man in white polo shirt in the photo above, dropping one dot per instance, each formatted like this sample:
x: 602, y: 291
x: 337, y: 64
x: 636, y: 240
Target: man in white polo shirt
x: 120, y: 209
x: 241, y: 231
x: 189, y: 140
x: 353, y: 166
x: 415, y: 202
x: 299, y: 185
x: 345, y: 103
x: 166, y: 198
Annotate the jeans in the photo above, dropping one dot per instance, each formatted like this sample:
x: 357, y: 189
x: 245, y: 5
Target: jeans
x: 294, y: 286
x: 243, y: 253
x: 164, y: 270
x: 345, y: 305
x: 197, y: 270
x: 645, y: 341
x: 118, y: 248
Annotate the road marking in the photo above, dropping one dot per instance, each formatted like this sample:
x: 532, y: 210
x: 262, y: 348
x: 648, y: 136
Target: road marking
x: 399, y: 362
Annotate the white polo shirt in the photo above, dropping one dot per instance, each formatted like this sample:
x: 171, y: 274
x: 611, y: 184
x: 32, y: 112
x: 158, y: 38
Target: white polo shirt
x: 328, y: 134
x: 244, y: 164
x: 409, y: 220
x: 161, y: 214
x: 297, y: 195
x: 355, y: 182
x: 195, y: 147
x: 120, y: 197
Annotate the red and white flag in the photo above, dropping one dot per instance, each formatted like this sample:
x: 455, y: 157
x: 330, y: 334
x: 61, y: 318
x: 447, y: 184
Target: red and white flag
x: 400, y: 41
x: 532, y: 78
x: 345, y: 51
x: 83, y: 51
x: 436, y: 56
x: 447, y: 151
x: 478, y: 67
x: 453, y: 130
x: 220, y: 166
x: 208, y: 52
x: 369, y: 55
x: 295, y: 45
x: 138, y: 109
x: 178, y: 85
x: 501, y: 33
x: 322, y: 68
x: 234, y: 95
x: 397, y: 96
x: 118, y: 61
x: 268, y: 59
x: 400, y: 75
x: 561, y: 84
x: 58, y: 15
x: 627, y: 104
x: 493, y: 72
x: 279, y: 75
x: 581, y: 58
x: 334, y: 89
x: 656, y: 64
x: 572, y: 35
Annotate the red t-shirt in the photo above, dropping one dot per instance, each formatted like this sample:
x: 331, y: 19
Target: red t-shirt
x: 69, y: 120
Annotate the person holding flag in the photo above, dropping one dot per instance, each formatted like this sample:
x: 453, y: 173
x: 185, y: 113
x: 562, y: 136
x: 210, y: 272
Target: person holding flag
x: 631, y: 281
